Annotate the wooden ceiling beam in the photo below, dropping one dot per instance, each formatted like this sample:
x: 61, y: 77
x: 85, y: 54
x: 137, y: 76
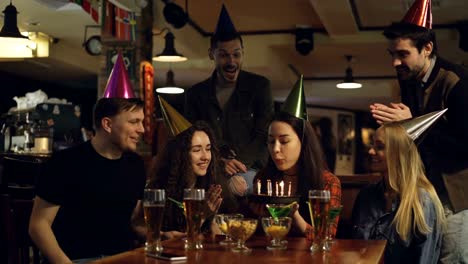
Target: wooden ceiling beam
x: 336, y: 16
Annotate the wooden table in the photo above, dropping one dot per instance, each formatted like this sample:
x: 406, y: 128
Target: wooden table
x: 343, y: 251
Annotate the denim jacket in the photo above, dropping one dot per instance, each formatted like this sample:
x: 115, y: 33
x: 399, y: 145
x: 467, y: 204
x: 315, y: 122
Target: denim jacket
x: 370, y: 221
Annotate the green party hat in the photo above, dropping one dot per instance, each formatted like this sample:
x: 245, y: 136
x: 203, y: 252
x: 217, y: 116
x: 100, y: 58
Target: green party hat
x: 295, y: 104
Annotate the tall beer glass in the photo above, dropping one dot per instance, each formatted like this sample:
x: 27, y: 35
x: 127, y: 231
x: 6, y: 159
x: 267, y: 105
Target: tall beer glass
x: 154, y: 202
x: 319, y: 203
x: 194, y: 203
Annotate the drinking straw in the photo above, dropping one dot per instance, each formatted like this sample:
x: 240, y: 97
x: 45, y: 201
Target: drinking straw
x: 311, y: 215
x: 179, y: 204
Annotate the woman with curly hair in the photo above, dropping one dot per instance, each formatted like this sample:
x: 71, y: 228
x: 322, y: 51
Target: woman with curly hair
x: 190, y: 160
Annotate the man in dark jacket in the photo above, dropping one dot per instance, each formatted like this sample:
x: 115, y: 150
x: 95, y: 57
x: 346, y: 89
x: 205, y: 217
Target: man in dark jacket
x: 235, y: 103
x: 429, y: 83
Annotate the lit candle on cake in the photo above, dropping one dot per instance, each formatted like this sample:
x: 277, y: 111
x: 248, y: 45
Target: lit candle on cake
x: 259, y: 186
x: 281, y: 185
x: 289, y: 189
x: 276, y: 188
x: 269, y: 191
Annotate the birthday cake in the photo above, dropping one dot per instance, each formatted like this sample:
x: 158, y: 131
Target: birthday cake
x: 270, y: 199
x: 277, y: 192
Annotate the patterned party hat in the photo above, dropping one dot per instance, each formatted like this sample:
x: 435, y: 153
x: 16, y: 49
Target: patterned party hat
x: 295, y: 104
x: 174, y: 121
x: 118, y: 84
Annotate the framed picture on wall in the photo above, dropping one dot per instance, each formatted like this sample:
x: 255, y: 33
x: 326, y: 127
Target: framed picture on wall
x: 346, y: 144
x: 324, y: 127
x: 341, y: 123
x: 345, y: 134
x: 128, y: 58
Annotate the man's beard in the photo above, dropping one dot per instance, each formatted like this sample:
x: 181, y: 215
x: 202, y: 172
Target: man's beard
x: 405, y: 73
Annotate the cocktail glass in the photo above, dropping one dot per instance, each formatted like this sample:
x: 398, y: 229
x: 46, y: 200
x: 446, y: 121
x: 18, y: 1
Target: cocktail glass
x: 222, y: 221
x: 276, y: 228
x: 242, y: 229
x: 278, y: 210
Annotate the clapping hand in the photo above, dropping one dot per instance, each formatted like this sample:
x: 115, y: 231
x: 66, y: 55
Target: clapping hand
x: 214, y: 199
x: 395, y: 112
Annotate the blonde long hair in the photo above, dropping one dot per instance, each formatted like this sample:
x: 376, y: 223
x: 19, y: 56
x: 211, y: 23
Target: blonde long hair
x: 406, y: 176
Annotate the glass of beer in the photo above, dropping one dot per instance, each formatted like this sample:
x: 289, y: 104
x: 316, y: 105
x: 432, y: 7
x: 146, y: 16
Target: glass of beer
x: 154, y: 201
x: 319, y: 203
x: 194, y: 207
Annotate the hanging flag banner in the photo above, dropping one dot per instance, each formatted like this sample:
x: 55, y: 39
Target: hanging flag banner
x: 90, y: 6
x: 119, y: 21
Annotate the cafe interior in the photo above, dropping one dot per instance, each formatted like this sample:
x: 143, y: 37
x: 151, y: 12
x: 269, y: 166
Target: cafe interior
x: 49, y: 89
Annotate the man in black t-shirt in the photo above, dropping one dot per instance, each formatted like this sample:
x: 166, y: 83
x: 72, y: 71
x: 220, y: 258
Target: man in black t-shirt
x: 88, y: 197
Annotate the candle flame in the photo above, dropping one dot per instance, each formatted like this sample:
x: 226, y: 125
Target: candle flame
x: 269, y: 191
x: 281, y: 185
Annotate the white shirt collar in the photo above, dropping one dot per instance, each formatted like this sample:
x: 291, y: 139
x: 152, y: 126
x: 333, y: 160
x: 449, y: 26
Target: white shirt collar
x: 429, y: 70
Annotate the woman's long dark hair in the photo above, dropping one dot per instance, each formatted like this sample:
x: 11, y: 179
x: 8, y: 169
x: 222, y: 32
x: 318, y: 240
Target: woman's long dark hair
x: 175, y: 162
x: 173, y: 172
x: 310, y: 163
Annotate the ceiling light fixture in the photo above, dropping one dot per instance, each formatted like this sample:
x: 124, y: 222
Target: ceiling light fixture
x: 169, y: 53
x: 348, y: 82
x: 11, y: 39
x: 170, y: 87
x: 304, y: 40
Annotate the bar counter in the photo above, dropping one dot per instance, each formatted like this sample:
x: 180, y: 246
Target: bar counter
x: 343, y: 251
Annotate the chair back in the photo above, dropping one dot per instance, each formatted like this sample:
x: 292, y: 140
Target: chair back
x: 19, y: 177
x: 14, y: 225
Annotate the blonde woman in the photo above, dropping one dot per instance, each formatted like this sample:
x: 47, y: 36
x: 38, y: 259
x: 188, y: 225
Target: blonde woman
x: 403, y: 208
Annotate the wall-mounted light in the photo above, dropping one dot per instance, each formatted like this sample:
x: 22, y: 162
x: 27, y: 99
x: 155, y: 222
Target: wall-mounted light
x: 37, y: 47
x: 349, y: 82
x: 169, y: 54
x: 170, y: 87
